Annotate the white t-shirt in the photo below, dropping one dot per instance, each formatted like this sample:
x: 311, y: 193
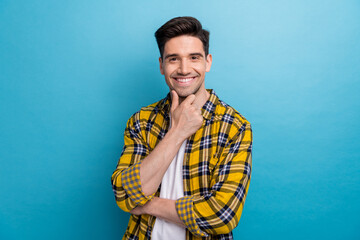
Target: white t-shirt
x: 171, y: 188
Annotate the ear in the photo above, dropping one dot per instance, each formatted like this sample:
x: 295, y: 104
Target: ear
x: 161, y: 67
x: 208, y: 62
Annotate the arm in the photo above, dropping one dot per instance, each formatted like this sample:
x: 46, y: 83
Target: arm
x: 160, y: 208
x: 139, y: 172
x: 128, y: 195
x: 220, y: 211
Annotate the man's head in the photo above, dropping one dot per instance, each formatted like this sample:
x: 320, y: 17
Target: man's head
x: 181, y: 26
x: 184, y: 55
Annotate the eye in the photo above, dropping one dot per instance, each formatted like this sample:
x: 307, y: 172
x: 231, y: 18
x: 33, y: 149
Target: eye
x: 173, y: 59
x: 194, y: 57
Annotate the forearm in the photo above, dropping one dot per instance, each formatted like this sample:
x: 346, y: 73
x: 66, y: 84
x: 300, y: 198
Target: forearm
x: 140, y: 169
x: 154, y: 166
x: 186, y: 119
x: 161, y: 208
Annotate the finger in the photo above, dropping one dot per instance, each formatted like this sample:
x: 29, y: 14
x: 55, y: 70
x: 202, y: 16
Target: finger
x: 197, y: 107
x: 136, y: 211
x: 189, y: 99
x: 174, y: 100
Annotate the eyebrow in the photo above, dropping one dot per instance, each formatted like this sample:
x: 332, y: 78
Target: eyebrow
x: 197, y: 54
x: 171, y: 55
x: 176, y: 55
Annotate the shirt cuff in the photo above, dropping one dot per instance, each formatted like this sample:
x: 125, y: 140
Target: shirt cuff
x: 185, y: 210
x: 130, y: 179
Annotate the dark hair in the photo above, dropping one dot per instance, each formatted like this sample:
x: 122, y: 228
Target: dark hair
x: 181, y: 26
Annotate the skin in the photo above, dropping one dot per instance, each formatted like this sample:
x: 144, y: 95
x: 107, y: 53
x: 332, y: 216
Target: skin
x: 184, y: 65
x: 183, y: 58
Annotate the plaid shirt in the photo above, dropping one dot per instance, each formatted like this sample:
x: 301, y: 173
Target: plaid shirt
x: 216, y: 169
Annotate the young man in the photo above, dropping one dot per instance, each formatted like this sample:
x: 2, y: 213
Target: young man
x: 184, y: 171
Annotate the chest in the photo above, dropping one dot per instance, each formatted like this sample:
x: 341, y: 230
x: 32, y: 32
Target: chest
x: 202, y: 155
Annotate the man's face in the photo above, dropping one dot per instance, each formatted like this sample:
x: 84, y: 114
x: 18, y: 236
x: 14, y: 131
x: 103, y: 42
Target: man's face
x: 184, y: 65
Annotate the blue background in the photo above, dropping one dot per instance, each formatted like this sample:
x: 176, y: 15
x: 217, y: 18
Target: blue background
x: 73, y: 72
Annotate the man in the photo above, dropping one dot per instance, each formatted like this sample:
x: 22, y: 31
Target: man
x: 185, y: 167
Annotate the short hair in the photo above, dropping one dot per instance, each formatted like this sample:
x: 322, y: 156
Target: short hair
x: 181, y: 26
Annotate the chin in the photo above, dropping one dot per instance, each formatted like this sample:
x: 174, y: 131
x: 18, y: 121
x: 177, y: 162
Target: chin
x: 184, y: 94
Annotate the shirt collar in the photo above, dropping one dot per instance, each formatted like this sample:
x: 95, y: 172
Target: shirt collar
x: 207, y: 109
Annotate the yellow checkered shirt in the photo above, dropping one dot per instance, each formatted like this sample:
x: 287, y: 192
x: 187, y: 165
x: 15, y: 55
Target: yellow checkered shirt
x: 216, y: 169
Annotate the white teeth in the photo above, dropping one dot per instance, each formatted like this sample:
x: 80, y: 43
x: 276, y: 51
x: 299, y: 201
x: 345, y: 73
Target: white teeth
x: 184, y: 79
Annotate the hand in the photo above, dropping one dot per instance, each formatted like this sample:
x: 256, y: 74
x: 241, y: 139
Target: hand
x: 139, y: 210
x: 160, y: 208
x: 185, y: 117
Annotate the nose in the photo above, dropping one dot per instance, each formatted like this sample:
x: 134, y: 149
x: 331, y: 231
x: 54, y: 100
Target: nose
x: 184, y: 68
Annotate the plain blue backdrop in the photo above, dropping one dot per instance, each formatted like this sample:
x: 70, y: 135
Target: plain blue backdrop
x: 73, y: 72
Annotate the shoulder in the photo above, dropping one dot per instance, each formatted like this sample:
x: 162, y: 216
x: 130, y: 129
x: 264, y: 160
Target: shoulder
x: 231, y: 123
x: 145, y: 114
x: 226, y: 113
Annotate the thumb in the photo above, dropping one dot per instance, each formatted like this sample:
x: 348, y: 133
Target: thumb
x: 174, y: 100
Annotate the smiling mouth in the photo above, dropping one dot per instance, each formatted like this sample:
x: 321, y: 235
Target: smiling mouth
x: 185, y: 80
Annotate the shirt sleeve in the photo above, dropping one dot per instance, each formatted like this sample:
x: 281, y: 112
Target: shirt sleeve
x: 219, y: 211
x: 126, y: 178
